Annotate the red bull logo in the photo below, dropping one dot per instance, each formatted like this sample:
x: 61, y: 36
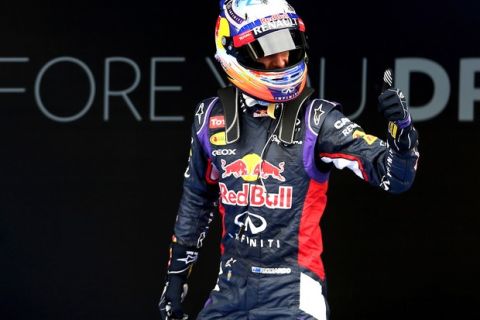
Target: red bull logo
x: 257, y: 196
x: 251, y: 168
x: 237, y: 168
x: 266, y: 170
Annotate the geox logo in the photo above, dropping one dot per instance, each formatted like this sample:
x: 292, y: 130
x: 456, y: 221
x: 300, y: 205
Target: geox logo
x: 224, y: 152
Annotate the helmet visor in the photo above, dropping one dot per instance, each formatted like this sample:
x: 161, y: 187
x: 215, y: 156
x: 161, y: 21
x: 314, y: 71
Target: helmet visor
x: 271, y: 43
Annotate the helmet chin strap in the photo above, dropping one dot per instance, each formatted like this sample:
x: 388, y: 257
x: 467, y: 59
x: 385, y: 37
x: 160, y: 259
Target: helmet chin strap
x: 229, y: 97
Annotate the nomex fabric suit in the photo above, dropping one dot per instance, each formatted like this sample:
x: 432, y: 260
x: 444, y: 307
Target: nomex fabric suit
x: 271, y: 196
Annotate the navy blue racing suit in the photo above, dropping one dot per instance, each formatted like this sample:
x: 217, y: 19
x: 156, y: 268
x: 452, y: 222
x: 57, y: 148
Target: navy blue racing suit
x: 271, y: 196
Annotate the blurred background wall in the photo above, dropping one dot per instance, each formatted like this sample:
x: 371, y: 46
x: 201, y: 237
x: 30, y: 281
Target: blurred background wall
x: 96, y: 102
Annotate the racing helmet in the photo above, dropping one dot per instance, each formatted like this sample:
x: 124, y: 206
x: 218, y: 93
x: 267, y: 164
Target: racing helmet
x: 247, y: 30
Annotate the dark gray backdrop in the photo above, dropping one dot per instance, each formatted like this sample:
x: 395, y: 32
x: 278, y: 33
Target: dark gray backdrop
x: 90, y: 173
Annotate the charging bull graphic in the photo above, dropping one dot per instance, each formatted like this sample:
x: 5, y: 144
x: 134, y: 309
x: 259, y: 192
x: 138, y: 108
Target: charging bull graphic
x: 251, y: 168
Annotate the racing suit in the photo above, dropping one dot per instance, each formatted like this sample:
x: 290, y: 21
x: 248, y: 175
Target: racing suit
x: 271, y: 196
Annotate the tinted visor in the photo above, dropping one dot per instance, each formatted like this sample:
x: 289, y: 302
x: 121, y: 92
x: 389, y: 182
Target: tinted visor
x: 274, y: 42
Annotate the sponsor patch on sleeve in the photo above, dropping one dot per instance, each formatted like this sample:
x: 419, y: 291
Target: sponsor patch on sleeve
x: 367, y: 137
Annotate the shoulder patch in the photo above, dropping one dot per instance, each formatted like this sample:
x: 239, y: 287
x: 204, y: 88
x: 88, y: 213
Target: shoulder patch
x: 202, y: 112
x: 316, y: 113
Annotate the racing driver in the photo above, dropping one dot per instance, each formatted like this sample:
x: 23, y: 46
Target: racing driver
x: 262, y: 151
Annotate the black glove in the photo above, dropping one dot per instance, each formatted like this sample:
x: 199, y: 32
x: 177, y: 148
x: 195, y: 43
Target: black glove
x: 393, y: 106
x: 173, y: 294
x: 181, y: 261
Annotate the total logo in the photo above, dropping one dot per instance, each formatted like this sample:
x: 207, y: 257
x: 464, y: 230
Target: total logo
x: 216, y: 122
x: 251, y: 168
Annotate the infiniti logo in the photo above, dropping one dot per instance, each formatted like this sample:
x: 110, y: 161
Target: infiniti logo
x: 288, y: 90
x: 252, y: 222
